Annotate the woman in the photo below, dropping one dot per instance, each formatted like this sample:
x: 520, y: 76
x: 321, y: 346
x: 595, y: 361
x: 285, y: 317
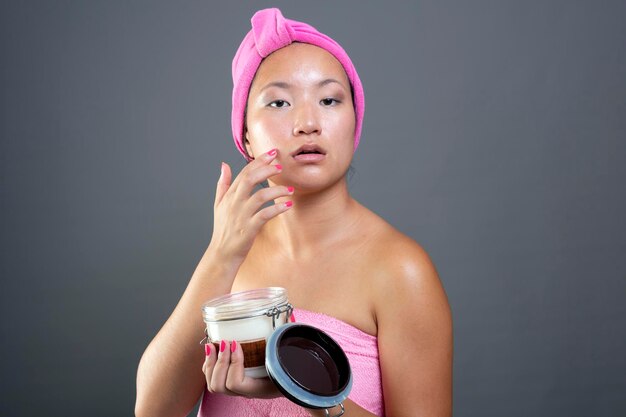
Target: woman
x: 297, y: 115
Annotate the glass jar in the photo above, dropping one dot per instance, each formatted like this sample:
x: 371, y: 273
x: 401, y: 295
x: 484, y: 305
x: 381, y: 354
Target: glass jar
x: 249, y: 317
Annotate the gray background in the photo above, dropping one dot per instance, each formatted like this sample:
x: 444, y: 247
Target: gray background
x: 494, y: 135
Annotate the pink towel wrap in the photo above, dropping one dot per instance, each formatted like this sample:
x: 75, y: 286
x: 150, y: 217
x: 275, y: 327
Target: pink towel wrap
x: 362, y: 351
x: 270, y: 32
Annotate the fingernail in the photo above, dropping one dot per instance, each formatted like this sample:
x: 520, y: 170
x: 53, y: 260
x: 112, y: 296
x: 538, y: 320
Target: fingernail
x: 272, y: 152
x: 290, y: 190
x: 207, y: 349
x: 278, y: 167
x: 222, y: 346
x: 233, y: 346
x: 288, y: 203
x: 292, y: 318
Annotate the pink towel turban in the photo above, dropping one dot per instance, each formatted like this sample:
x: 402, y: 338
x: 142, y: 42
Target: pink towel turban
x: 270, y: 32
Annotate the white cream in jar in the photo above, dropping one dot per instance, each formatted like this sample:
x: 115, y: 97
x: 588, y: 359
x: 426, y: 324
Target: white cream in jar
x: 249, y: 317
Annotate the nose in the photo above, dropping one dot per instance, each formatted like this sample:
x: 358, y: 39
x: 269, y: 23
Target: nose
x: 306, y: 121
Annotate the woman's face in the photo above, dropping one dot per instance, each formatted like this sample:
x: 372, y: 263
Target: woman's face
x: 300, y: 103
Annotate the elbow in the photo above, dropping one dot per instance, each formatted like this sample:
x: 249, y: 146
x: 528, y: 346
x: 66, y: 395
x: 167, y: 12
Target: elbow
x: 156, y: 402
x: 164, y: 393
x: 142, y: 403
x: 155, y: 408
x: 143, y: 406
x: 147, y: 404
x: 140, y: 409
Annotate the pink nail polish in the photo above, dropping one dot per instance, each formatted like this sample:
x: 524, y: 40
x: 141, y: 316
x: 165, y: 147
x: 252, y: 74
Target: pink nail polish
x: 288, y: 203
x: 290, y: 190
x: 233, y: 346
x: 278, y: 167
x: 272, y: 152
x: 292, y: 318
x: 222, y: 346
x: 207, y: 349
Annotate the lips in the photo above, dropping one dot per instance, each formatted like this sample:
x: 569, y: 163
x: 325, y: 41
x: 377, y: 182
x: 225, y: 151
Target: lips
x: 309, y: 153
x: 308, y: 150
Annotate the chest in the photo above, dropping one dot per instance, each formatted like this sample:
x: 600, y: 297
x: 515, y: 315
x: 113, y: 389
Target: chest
x: 333, y: 283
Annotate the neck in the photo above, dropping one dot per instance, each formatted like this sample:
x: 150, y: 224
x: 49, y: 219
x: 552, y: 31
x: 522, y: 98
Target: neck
x: 315, y: 220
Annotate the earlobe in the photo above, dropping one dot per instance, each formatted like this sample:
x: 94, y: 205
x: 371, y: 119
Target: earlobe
x: 246, y: 143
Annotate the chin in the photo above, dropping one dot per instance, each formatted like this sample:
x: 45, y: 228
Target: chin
x: 310, y: 183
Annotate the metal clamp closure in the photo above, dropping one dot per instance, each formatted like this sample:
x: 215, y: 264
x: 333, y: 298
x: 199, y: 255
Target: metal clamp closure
x: 343, y: 410
x: 206, y: 337
x: 275, y: 313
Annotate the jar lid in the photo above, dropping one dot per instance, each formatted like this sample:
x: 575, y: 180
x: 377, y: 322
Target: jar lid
x: 244, y: 304
x: 308, y: 366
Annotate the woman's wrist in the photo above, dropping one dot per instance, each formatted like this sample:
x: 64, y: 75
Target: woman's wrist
x: 220, y: 263
x: 214, y: 276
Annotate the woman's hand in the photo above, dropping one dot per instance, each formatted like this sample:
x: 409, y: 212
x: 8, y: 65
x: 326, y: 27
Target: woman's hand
x: 238, y: 213
x: 225, y: 374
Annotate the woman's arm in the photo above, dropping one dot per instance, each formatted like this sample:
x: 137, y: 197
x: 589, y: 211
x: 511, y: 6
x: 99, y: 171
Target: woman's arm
x: 414, y: 336
x: 169, y: 378
x: 169, y: 382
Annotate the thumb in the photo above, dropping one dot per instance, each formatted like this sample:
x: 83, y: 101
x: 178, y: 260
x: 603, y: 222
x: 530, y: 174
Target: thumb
x: 223, y: 184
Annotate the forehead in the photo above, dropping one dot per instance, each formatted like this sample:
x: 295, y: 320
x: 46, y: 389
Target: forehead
x: 300, y: 62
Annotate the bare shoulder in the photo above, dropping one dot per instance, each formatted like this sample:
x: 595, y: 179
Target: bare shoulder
x: 398, y: 259
x: 403, y: 282
x: 414, y: 325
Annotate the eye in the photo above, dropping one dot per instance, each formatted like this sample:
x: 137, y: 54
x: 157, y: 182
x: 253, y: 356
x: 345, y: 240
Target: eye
x: 279, y: 104
x: 329, y: 101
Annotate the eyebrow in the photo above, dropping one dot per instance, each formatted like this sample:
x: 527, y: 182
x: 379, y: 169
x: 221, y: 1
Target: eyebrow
x: 328, y: 81
x: 279, y: 84
x: 287, y: 86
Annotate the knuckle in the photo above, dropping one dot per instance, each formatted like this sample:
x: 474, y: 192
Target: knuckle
x: 266, y: 214
x: 249, y: 179
x: 258, y: 197
x: 264, y: 195
x: 235, y: 357
x: 217, y: 388
x: 230, y: 385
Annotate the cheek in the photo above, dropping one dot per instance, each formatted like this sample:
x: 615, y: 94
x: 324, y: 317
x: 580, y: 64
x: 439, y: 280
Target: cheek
x: 262, y: 135
x: 343, y: 126
x: 266, y: 128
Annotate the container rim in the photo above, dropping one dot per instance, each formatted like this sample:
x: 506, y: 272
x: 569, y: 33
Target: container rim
x: 244, y: 304
x: 290, y: 388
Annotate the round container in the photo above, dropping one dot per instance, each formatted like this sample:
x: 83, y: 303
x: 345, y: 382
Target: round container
x: 308, y: 366
x: 249, y: 317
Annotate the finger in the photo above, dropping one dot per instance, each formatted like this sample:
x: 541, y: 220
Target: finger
x: 236, y: 372
x: 247, y: 180
x: 223, y: 183
x: 220, y: 370
x: 268, y: 213
x: 237, y: 382
x: 209, y: 361
x: 258, y: 388
x: 265, y: 195
x: 263, y: 161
